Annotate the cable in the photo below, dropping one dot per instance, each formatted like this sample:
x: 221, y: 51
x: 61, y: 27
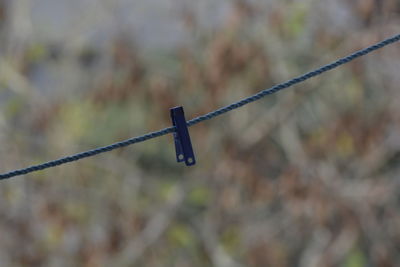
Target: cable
x: 294, y: 81
x: 207, y: 116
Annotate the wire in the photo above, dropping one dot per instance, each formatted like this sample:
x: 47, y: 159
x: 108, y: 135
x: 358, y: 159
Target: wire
x: 207, y: 116
x: 294, y: 81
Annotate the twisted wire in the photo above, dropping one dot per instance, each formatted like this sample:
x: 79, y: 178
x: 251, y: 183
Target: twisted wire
x: 294, y: 81
x: 207, y: 116
x: 86, y: 154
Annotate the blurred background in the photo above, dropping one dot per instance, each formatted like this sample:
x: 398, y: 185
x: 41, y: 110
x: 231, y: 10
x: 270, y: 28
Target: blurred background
x: 305, y: 177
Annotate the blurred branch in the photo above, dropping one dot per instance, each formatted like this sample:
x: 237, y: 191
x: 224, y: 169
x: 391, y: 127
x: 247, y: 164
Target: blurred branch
x: 152, y: 232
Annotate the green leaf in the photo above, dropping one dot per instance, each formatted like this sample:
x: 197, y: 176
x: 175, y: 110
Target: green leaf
x: 355, y: 258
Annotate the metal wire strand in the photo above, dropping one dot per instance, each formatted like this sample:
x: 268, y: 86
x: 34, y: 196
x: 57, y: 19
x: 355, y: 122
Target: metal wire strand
x: 207, y: 116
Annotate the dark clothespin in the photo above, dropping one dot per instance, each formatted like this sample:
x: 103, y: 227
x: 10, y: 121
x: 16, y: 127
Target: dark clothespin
x: 183, y: 146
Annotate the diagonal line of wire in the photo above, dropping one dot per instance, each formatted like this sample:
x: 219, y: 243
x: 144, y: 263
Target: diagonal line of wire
x: 207, y: 116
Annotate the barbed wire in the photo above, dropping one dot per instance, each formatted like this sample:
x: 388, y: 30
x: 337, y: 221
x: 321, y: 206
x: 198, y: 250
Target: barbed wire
x: 207, y: 116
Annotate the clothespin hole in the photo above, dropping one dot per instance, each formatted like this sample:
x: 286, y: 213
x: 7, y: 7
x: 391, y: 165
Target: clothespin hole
x: 180, y: 157
x: 190, y: 160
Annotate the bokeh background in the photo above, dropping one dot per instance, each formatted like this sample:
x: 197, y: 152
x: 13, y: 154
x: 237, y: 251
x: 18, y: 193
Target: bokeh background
x: 305, y: 177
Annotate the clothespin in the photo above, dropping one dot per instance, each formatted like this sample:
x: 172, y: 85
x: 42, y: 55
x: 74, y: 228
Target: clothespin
x: 183, y: 145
